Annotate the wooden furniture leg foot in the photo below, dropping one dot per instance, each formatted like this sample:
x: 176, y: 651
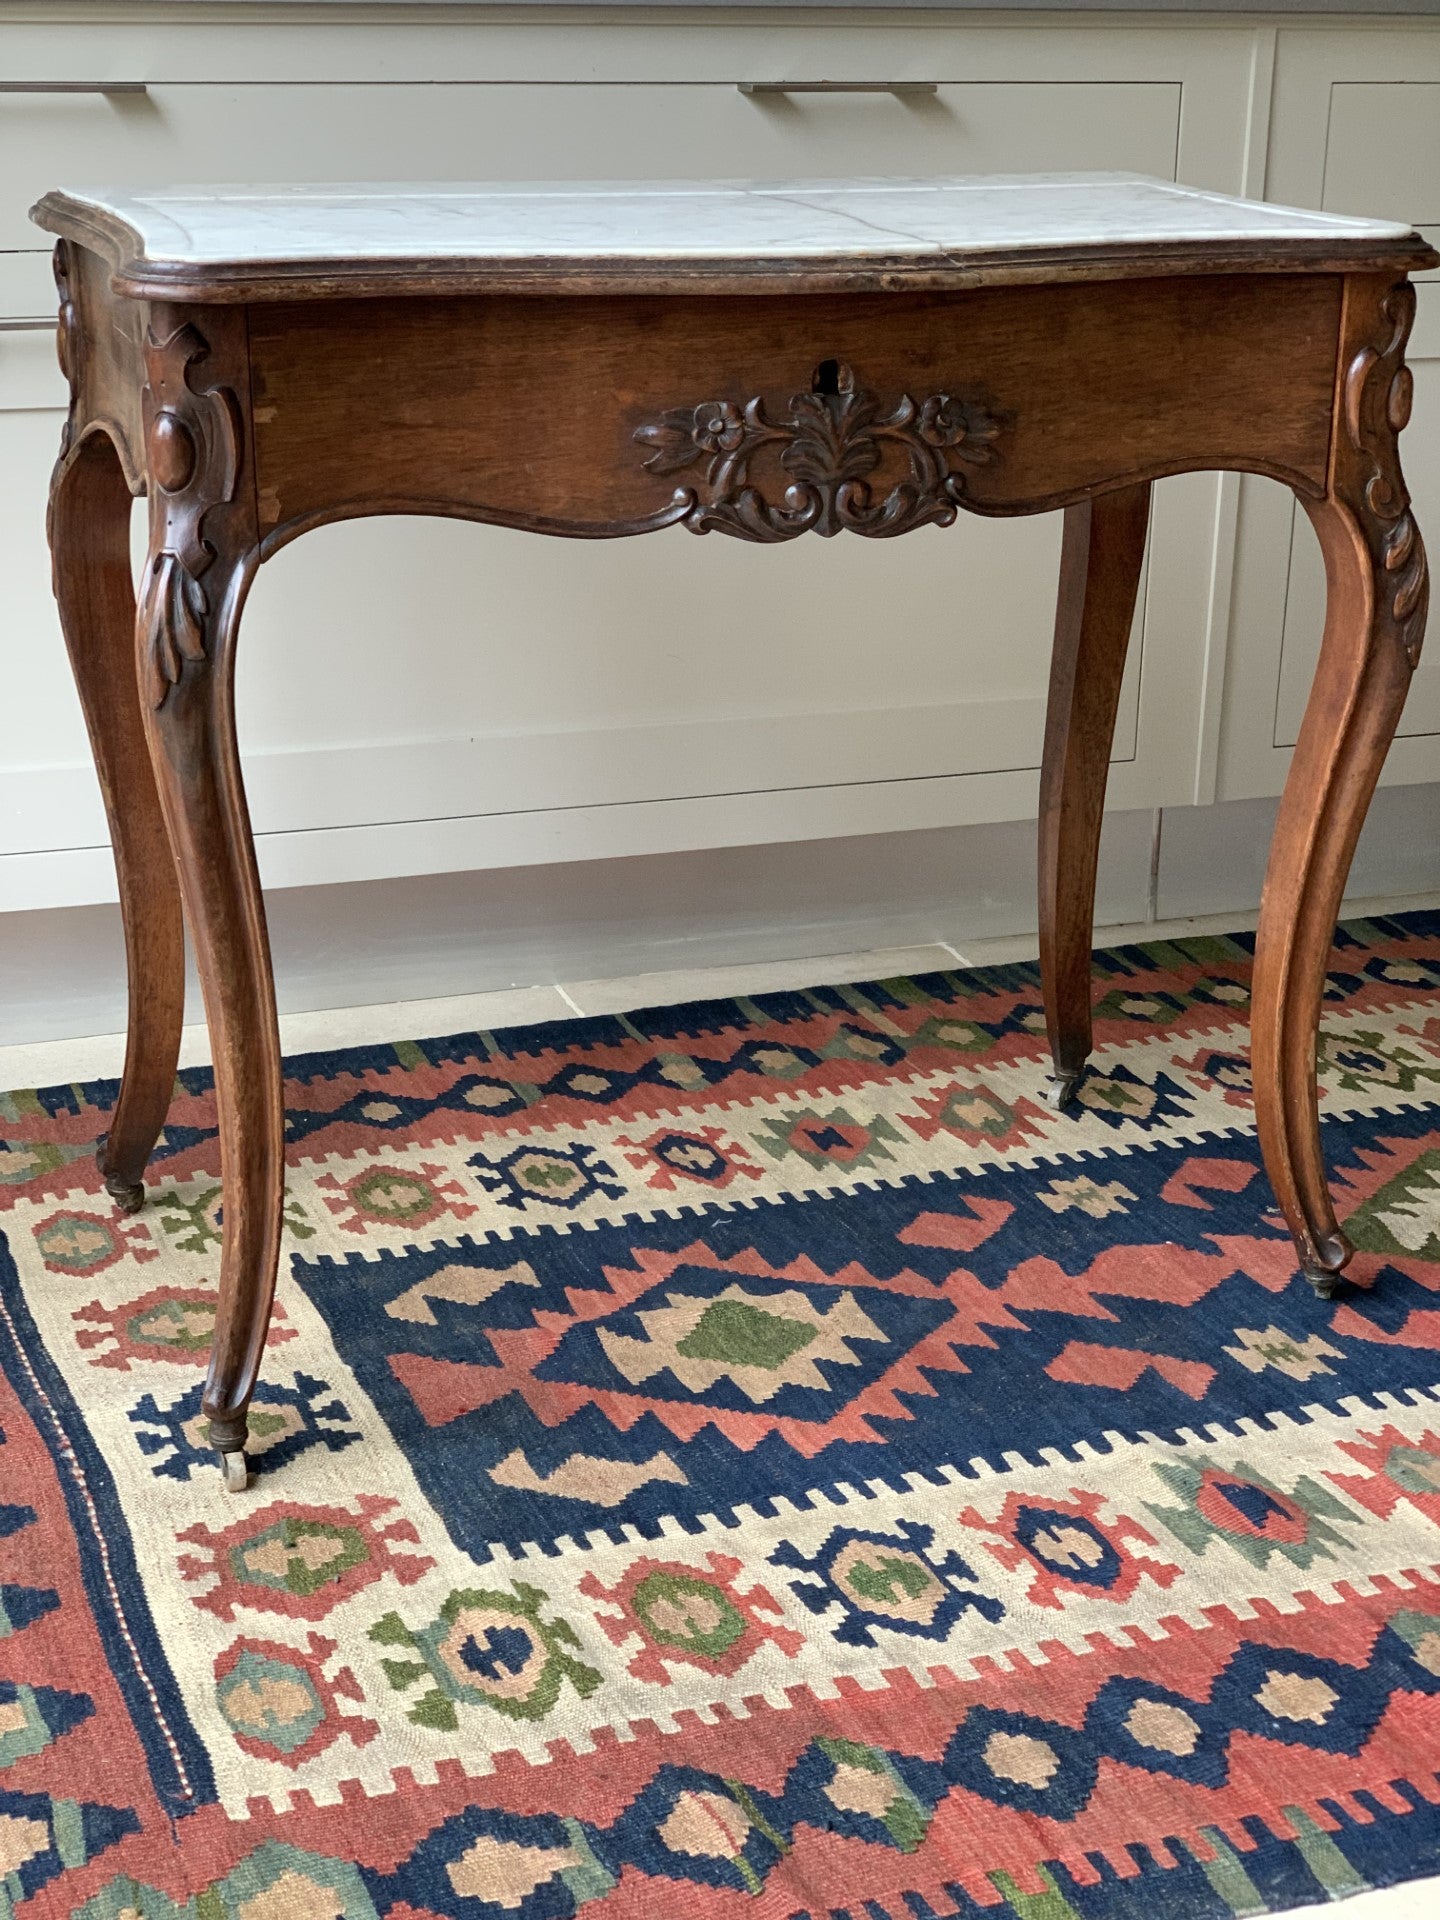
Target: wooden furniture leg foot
x: 1326, y: 1283
x: 1059, y: 1088
x: 90, y: 542
x: 202, y: 558
x: 1377, y: 592
x: 236, y: 1471
x: 1100, y: 561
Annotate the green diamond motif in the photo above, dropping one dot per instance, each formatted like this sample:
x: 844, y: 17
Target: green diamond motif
x: 694, y: 1614
x: 186, y: 1324
x: 879, y: 1579
x: 739, y: 1335
x: 299, y: 1556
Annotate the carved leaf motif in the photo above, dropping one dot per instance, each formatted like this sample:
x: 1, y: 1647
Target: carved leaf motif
x: 833, y: 442
x: 830, y: 442
x: 175, y: 607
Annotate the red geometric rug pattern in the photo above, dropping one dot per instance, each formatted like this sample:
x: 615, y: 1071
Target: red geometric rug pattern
x: 751, y: 1454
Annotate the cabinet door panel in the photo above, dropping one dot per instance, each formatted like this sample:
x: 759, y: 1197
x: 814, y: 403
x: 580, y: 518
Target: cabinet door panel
x: 48, y: 794
x: 1382, y: 154
x: 27, y: 287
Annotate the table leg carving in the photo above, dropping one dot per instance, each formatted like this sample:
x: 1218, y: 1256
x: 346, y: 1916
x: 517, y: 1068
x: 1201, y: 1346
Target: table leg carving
x: 1100, y: 561
x: 1377, y: 593
x: 203, y: 556
x: 90, y: 545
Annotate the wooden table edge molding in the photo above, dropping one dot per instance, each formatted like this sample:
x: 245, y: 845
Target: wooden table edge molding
x: 864, y: 357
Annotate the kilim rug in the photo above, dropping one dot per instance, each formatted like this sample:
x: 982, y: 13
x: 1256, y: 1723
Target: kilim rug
x: 746, y: 1460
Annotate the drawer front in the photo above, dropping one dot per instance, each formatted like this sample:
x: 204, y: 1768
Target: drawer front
x: 1382, y: 157
x: 266, y: 133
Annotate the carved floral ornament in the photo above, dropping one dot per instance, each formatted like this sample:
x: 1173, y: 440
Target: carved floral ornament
x: 1379, y: 389
x: 830, y: 444
x: 192, y: 457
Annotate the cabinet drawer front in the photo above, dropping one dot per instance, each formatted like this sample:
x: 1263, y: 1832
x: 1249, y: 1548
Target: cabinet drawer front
x: 266, y: 133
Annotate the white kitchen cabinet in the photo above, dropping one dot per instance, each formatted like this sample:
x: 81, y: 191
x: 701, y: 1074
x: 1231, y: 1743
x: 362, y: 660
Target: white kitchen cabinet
x: 555, y: 700
x: 457, y: 130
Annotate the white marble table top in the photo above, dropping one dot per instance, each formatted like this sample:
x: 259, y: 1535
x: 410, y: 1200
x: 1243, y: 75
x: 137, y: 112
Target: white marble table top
x: 695, y: 219
x: 179, y: 231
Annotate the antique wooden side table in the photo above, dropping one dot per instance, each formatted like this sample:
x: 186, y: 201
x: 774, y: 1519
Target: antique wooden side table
x: 863, y: 357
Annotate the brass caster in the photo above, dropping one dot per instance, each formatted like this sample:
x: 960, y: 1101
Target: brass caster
x: 236, y: 1472
x: 1059, y: 1089
x: 1325, y: 1283
x: 129, y: 1196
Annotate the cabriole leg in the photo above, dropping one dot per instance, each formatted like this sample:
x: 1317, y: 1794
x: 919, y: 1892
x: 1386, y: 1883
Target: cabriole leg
x: 90, y: 548
x: 202, y: 558
x: 1100, y: 561
x: 1377, y: 592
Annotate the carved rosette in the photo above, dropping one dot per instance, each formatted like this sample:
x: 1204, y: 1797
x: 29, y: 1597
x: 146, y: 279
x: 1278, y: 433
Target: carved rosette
x: 842, y: 462
x: 1377, y: 396
x: 192, y: 439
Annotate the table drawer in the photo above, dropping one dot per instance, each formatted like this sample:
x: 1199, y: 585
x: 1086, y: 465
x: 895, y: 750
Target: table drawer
x: 267, y: 132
